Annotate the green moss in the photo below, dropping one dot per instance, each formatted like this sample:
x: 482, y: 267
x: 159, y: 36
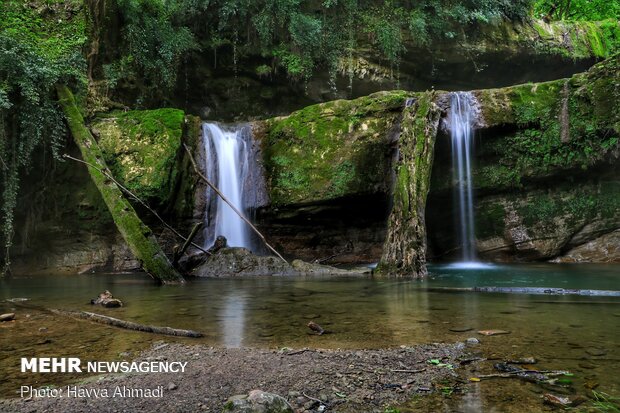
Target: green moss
x: 141, y: 148
x: 404, y: 250
x: 573, y: 205
x: 330, y: 150
x: 55, y: 28
x: 138, y: 236
x: 558, y: 126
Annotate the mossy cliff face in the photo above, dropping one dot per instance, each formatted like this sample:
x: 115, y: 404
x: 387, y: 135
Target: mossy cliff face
x: 141, y: 149
x: 331, y: 150
x: 546, y: 170
x: 76, y: 232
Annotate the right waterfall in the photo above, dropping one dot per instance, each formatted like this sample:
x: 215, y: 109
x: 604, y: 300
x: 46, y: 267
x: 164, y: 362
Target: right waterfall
x: 461, y: 124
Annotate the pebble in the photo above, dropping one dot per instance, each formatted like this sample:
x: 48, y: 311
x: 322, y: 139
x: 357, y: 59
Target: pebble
x: 472, y: 341
x: 172, y: 386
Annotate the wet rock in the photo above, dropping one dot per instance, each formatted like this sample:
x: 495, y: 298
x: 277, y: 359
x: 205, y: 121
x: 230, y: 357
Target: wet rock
x: 524, y: 360
x: 7, y: 317
x: 257, y: 401
x: 593, y: 351
x: 556, y: 401
x: 460, y: 329
x: 219, y: 243
x: 231, y: 262
x: 493, y: 332
x: 472, y: 341
x: 106, y: 299
x: 316, y: 328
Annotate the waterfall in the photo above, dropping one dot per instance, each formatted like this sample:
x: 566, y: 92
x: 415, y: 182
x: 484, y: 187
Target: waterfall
x: 227, y: 166
x: 461, y: 124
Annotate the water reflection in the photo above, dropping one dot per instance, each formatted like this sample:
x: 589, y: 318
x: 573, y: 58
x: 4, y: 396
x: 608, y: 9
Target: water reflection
x: 232, y: 320
x: 573, y: 333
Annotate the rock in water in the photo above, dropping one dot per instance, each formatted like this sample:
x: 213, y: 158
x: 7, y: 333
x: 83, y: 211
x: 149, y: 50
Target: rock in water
x: 257, y: 401
x: 315, y: 327
x: 106, y: 299
x: 556, y: 401
x: 7, y: 317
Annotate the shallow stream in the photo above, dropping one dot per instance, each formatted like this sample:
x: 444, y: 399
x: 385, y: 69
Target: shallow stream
x: 575, y: 333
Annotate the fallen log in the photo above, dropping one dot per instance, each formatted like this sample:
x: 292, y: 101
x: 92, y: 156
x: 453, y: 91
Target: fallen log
x: 128, y: 325
x: 139, y: 237
x: 111, y: 321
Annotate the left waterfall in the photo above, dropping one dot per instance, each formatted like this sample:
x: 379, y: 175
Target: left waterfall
x: 227, y: 150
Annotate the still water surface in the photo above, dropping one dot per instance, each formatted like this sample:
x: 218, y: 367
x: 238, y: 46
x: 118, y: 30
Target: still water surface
x: 573, y: 333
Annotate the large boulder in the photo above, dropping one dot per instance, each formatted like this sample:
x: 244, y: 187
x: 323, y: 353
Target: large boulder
x: 231, y: 262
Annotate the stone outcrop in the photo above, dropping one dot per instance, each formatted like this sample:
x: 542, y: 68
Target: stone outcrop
x: 546, y: 178
x: 546, y: 172
x: 234, y: 262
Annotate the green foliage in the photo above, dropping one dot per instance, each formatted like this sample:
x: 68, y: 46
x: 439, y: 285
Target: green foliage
x: 35, y: 54
x: 592, y: 10
x: 605, y: 403
x: 563, y: 125
x: 154, y: 44
x: 295, y: 36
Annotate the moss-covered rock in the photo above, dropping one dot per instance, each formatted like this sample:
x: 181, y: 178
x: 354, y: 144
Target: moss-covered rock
x: 404, y: 251
x: 331, y: 150
x: 546, y: 168
x: 141, y: 149
x: 554, y: 126
x: 137, y: 235
x: 575, y: 39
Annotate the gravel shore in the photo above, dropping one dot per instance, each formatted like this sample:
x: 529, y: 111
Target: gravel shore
x: 311, y: 380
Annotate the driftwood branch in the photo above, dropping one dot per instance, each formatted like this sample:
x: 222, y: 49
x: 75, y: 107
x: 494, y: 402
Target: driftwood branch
x: 217, y: 191
x: 115, y: 322
x: 140, y: 201
x: 524, y: 374
x: 111, y: 321
x: 179, y: 253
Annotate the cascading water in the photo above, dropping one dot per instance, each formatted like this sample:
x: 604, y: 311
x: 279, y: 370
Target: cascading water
x: 461, y: 124
x: 226, y: 150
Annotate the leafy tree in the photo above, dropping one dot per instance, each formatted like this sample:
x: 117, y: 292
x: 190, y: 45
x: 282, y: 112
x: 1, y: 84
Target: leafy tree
x: 577, y: 9
x: 35, y: 54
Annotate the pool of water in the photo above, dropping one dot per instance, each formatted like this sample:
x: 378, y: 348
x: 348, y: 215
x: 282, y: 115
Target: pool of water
x: 573, y: 333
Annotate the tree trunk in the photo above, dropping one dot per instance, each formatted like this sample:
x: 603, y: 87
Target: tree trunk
x: 404, y: 250
x: 138, y: 236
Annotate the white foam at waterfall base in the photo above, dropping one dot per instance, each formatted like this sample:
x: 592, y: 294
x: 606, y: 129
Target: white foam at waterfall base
x: 226, y: 154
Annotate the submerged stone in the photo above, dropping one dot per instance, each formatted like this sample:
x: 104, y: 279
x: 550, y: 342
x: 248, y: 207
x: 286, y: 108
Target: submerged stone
x: 460, y: 329
x: 493, y: 332
x: 597, y: 352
